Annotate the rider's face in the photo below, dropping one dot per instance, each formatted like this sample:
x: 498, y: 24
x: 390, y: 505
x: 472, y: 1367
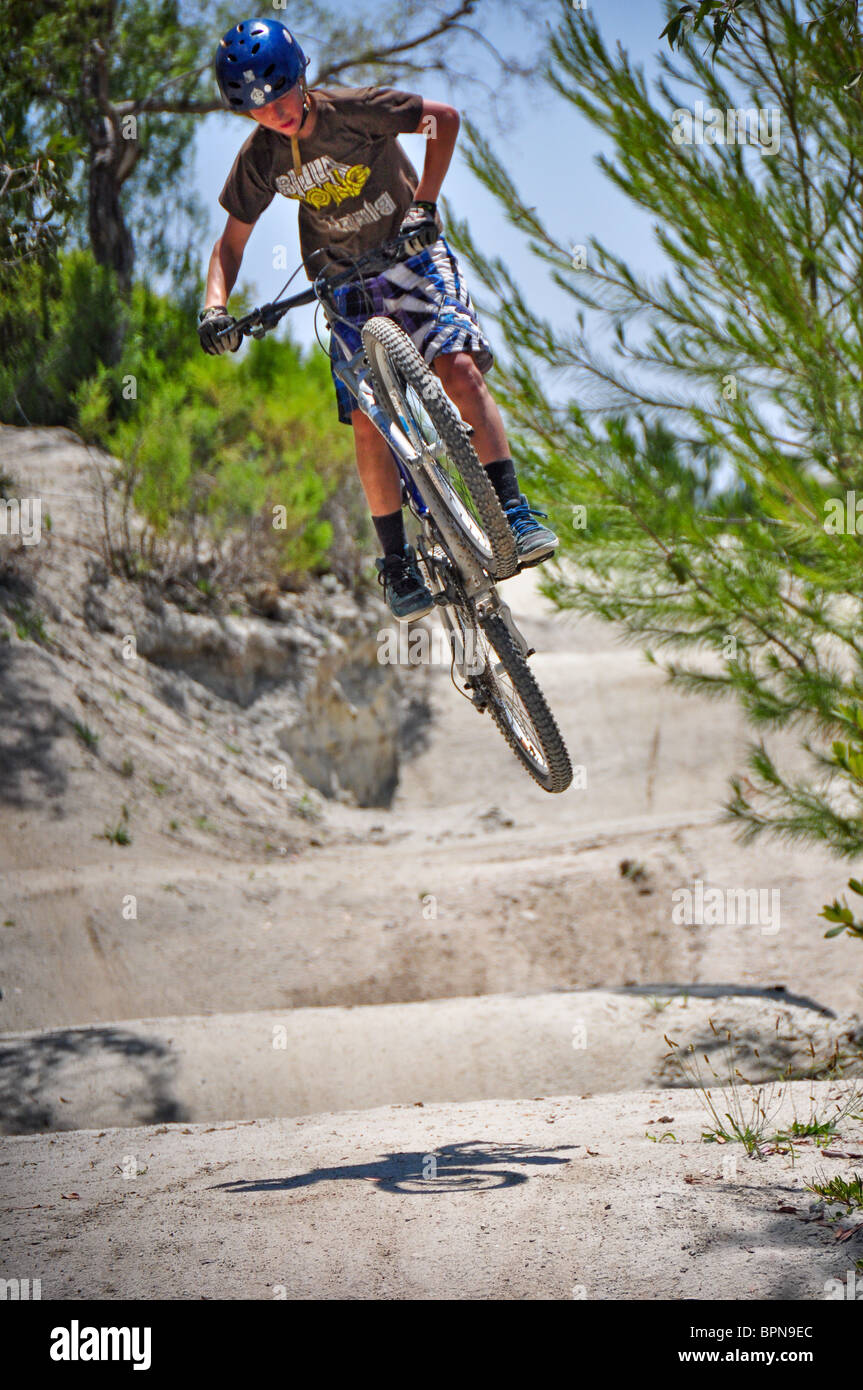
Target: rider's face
x: 283, y: 115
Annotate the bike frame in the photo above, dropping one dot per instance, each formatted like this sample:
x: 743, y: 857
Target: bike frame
x: 354, y: 373
x: 353, y: 370
x: 458, y: 572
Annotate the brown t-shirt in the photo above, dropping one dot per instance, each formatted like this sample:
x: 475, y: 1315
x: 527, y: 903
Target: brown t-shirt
x: 356, y: 182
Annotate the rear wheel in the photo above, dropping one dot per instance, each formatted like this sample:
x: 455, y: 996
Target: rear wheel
x: 521, y: 712
x: 498, y: 678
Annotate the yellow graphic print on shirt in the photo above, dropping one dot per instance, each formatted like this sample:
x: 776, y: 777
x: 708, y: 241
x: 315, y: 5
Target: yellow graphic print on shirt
x: 322, y: 181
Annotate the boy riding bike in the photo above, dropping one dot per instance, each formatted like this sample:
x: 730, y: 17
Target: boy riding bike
x: 336, y: 151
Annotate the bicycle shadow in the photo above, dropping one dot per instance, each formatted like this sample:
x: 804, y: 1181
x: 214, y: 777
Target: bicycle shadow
x: 469, y: 1165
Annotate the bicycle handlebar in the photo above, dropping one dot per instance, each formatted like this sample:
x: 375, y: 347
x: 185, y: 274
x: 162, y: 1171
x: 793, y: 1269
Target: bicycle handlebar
x: 261, y: 321
x: 268, y: 315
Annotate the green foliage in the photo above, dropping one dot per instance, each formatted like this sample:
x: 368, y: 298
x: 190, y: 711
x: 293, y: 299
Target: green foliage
x: 119, y: 833
x: 34, y: 196
x: 729, y: 19
x: 741, y: 1112
x: 88, y: 737
x: 820, y: 1131
x: 236, y: 459
x: 82, y: 69
x: 92, y: 402
x: 220, y: 446
x: 74, y: 326
x: 29, y: 624
x: 848, y: 1191
x: 709, y: 425
x: 688, y: 18
x: 840, y: 913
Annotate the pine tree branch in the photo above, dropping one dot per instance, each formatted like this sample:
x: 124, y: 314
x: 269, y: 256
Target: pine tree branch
x: 383, y: 54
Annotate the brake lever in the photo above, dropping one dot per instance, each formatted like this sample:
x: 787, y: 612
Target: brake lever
x: 267, y: 320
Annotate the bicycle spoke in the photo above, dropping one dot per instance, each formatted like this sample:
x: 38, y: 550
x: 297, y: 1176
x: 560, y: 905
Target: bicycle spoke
x: 492, y: 677
x: 460, y: 498
x: 450, y: 478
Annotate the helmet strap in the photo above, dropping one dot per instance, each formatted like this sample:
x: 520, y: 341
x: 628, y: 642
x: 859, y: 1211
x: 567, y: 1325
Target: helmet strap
x: 307, y: 106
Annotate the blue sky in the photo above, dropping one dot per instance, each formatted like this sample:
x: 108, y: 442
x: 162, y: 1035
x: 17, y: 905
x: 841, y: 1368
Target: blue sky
x: 550, y: 150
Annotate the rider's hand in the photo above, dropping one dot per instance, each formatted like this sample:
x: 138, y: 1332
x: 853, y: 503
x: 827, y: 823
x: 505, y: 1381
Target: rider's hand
x: 423, y: 222
x: 211, y: 322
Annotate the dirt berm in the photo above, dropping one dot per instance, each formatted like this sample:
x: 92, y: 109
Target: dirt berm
x: 612, y: 1197
x: 392, y: 951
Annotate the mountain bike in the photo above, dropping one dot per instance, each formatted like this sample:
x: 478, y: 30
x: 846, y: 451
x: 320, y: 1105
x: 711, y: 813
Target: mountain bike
x: 464, y: 543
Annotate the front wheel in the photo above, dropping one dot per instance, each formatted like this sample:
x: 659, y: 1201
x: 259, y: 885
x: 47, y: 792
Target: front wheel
x: 452, y: 481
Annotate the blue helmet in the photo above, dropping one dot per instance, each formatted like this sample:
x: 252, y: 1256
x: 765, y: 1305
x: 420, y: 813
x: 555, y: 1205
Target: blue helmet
x: 257, y: 62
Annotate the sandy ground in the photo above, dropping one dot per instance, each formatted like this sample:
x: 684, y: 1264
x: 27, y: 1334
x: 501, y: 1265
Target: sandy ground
x: 553, y: 1198
x: 475, y: 882
x: 305, y: 1061
x: 442, y: 951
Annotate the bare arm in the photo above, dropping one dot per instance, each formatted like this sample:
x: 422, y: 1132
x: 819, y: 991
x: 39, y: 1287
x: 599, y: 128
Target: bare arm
x: 226, y: 260
x: 439, y: 124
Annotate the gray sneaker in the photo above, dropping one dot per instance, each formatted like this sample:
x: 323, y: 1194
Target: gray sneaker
x: 533, y: 542
x: 406, y: 592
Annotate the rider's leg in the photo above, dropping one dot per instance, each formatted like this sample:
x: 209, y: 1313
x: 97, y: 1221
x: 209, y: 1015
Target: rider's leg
x: 405, y: 590
x: 377, y: 469
x: 465, y: 384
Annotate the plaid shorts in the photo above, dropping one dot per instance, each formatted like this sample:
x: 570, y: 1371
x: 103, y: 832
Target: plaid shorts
x: 427, y: 297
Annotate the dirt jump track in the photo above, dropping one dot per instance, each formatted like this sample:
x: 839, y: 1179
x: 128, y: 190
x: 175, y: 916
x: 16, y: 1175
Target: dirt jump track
x: 415, y: 1051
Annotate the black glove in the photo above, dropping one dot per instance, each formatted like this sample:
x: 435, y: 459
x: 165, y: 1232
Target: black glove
x: 422, y: 222
x: 211, y: 322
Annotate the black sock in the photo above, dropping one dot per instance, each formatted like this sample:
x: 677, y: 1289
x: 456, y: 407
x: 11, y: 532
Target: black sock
x: 391, y: 532
x: 504, y: 481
